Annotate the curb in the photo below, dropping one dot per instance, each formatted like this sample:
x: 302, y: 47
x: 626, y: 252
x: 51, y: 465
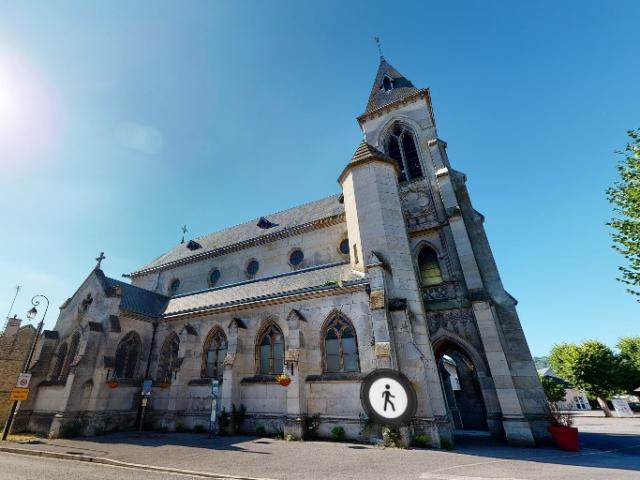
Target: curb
x: 118, y: 463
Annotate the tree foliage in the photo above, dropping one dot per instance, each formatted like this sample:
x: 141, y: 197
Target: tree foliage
x: 590, y: 366
x: 629, y: 362
x: 625, y: 196
x: 554, y: 391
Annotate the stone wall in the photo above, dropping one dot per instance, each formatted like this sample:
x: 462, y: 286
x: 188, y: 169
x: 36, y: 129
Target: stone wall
x: 15, y: 343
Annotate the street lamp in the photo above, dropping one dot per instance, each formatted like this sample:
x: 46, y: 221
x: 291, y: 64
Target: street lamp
x: 31, y: 314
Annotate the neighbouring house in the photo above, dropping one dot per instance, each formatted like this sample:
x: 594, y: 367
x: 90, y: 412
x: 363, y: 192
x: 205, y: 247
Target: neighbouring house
x: 575, y: 399
x: 15, y: 343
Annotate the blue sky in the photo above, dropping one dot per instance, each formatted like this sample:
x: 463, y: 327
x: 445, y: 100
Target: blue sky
x: 122, y: 121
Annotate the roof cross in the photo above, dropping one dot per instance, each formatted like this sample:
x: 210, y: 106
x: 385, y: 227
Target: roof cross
x: 184, y: 231
x: 99, y: 259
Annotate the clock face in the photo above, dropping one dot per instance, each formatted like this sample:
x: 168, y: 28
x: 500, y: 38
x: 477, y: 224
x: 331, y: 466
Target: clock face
x: 388, y: 397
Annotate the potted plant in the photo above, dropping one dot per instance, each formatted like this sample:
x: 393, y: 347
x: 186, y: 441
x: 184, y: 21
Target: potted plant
x: 165, y: 382
x: 564, y: 435
x: 283, y: 379
x: 112, y: 382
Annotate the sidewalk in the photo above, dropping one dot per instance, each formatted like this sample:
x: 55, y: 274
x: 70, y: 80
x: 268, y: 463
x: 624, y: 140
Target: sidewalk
x: 607, y: 455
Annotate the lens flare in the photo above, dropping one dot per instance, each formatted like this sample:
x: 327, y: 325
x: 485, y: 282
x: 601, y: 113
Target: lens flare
x: 27, y: 122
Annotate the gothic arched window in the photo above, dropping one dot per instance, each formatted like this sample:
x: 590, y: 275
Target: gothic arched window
x: 127, y: 355
x: 168, y: 362
x: 60, y: 358
x: 215, y: 349
x: 340, y: 346
x: 270, y: 351
x: 430, y: 273
x: 401, y: 146
x: 71, y: 355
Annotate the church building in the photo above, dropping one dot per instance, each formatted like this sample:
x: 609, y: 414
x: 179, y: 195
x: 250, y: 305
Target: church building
x: 395, y: 271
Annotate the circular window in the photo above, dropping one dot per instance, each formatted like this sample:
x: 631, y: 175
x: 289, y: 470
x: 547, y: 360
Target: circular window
x: 296, y: 257
x: 344, y: 246
x: 174, y: 285
x: 214, y: 276
x: 252, y: 267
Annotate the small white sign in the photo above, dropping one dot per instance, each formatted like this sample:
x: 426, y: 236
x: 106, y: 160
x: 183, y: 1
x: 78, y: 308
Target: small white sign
x: 23, y: 380
x: 622, y: 407
x: 388, y: 398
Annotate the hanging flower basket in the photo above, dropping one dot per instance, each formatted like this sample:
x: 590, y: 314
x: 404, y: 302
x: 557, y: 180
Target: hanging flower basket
x: 283, y: 379
x: 113, y: 383
x: 164, y: 384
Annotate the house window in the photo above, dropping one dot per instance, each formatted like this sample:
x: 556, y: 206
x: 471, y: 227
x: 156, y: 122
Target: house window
x: 344, y: 247
x: 214, y: 276
x: 174, y: 285
x: 296, y: 257
x: 127, y: 356
x: 252, y: 268
x: 168, y: 362
x: 401, y: 146
x: 430, y: 273
x: 340, y: 346
x: 270, y: 351
x: 215, y: 350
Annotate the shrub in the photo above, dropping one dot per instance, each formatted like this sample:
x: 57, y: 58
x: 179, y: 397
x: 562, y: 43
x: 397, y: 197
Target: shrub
x: 180, y: 428
x: 71, y: 430
x: 422, y: 441
x: 446, y: 444
x: 199, y: 429
x: 338, y: 434
x: 392, y: 437
x: 261, y: 431
x: 311, y: 425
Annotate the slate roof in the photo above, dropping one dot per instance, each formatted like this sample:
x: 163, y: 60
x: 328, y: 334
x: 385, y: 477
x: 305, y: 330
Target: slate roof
x: 304, y: 280
x: 138, y: 300
x: 303, y: 214
x: 402, y: 88
x: 366, y: 151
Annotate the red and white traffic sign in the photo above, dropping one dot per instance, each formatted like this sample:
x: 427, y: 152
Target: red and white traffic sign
x: 23, y: 380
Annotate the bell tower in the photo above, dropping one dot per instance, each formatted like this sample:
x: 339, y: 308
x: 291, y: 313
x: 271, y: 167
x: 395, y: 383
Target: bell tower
x: 407, y: 205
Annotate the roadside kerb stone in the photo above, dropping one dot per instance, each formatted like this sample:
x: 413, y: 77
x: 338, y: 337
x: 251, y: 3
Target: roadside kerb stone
x: 117, y: 463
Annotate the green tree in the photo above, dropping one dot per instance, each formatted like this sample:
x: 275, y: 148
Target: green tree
x: 625, y: 196
x: 591, y: 366
x: 629, y: 362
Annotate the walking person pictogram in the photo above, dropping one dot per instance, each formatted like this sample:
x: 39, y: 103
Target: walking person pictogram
x: 386, y: 395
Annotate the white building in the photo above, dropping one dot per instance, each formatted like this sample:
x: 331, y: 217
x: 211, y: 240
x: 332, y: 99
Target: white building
x: 393, y: 271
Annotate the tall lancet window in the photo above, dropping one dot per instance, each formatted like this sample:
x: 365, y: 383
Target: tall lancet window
x: 430, y: 273
x: 401, y: 146
x: 168, y: 362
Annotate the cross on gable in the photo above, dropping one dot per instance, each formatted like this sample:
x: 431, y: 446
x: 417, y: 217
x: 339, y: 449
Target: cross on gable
x: 99, y: 259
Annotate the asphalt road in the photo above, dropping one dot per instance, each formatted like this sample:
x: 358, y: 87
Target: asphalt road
x: 19, y: 467
x: 610, y: 451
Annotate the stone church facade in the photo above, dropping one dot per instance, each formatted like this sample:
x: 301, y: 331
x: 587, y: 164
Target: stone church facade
x: 394, y: 272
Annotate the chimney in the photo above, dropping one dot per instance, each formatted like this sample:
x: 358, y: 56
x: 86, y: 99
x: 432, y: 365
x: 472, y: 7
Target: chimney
x: 13, y: 324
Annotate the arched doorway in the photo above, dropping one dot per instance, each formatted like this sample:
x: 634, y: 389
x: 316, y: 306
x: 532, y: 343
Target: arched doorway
x: 459, y: 380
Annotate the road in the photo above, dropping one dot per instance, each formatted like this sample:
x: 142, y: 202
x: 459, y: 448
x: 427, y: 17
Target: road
x: 19, y: 467
x: 610, y: 451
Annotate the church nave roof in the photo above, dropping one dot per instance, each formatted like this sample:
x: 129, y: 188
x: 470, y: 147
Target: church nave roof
x: 233, y: 238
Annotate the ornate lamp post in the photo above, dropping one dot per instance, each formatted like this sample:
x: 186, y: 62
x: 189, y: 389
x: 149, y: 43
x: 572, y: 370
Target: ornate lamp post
x: 31, y: 314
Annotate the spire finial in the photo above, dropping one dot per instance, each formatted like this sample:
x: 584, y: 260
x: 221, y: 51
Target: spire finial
x: 184, y: 231
x: 100, y: 258
x: 377, y: 39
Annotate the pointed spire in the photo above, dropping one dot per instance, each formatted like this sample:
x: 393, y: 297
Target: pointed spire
x: 389, y: 86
